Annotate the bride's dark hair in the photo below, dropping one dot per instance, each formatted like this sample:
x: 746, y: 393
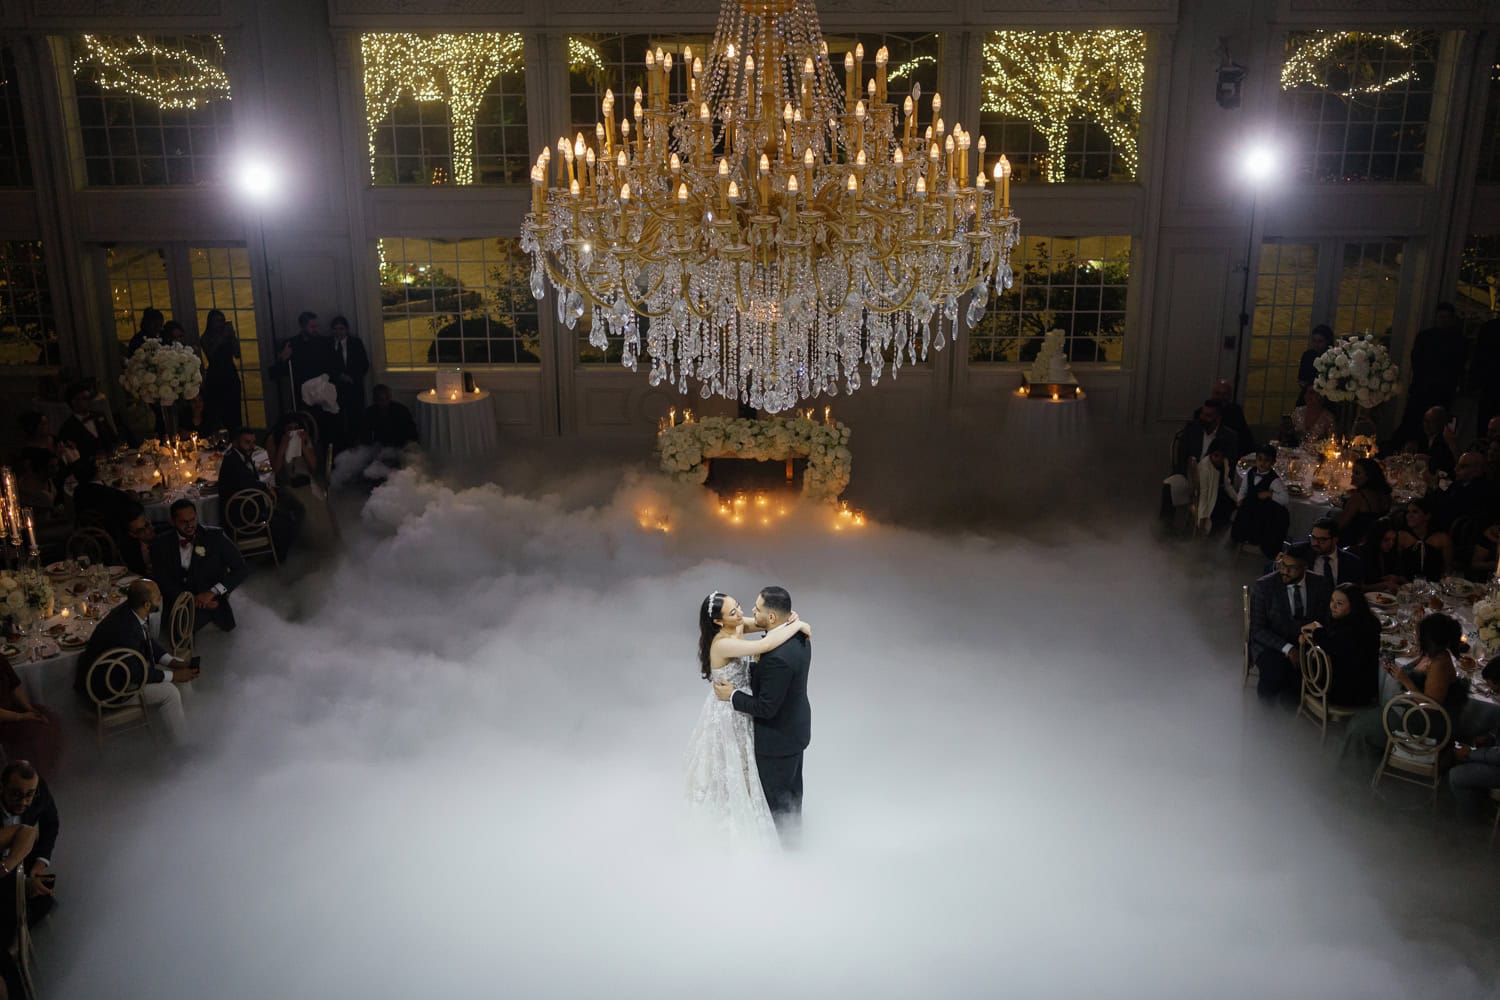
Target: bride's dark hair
x: 709, y: 613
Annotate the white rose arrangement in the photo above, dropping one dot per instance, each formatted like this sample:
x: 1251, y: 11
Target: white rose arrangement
x: 26, y: 597
x: 684, y: 449
x: 161, y: 374
x: 1357, y: 369
x: 1487, y: 621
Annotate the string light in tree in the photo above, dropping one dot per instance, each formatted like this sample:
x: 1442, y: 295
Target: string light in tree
x: 455, y: 68
x: 1315, y: 58
x: 168, y: 72
x: 1054, y: 78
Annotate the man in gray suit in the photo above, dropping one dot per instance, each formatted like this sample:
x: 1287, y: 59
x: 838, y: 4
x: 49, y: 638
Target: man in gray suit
x: 1281, y: 602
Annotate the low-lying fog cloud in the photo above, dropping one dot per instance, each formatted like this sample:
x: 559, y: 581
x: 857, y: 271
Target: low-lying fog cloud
x: 451, y: 766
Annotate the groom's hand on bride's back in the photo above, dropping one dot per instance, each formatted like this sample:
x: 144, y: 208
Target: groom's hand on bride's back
x: 724, y: 690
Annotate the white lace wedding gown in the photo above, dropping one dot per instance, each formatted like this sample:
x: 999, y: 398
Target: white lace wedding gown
x: 723, y: 785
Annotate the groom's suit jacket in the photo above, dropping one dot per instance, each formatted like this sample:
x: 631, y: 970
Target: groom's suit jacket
x: 783, y: 717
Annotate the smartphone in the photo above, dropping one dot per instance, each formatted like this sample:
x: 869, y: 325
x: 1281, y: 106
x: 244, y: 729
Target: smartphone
x: 194, y: 663
x: 49, y: 880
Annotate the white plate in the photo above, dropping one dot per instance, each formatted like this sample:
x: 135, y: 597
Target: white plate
x: 1381, y: 599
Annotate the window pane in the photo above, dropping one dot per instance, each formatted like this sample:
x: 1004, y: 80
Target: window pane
x: 1064, y: 105
x: 1077, y: 284
x: 137, y: 282
x: 15, y: 163
x: 1478, y: 297
x: 151, y: 92
x: 221, y: 281
x: 1368, y: 284
x: 28, y: 334
x: 457, y: 302
x: 446, y: 108
x: 1280, y: 325
x: 1366, y: 96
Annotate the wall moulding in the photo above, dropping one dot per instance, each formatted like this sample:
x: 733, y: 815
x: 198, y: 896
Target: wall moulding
x: 126, y: 14
x: 1353, y: 12
x: 1123, y: 13
x: 433, y: 15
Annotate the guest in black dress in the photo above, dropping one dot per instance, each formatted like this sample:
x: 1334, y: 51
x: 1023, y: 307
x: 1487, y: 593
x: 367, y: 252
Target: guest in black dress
x: 152, y: 322
x: 1423, y: 550
x: 221, y: 383
x: 1351, y: 638
x: 1381, y: 557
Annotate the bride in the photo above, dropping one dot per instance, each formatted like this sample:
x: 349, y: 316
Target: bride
x: 723, y: 785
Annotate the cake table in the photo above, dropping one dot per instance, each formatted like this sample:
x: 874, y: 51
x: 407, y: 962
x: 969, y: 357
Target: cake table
x: 459, y: 425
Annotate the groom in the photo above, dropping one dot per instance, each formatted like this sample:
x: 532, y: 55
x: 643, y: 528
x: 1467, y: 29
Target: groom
x: 777, y: 700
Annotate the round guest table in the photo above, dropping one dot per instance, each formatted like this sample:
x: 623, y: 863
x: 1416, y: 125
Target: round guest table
x: 458, y: 428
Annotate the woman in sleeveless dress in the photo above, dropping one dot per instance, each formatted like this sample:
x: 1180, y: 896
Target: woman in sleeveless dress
x: 723, y: 785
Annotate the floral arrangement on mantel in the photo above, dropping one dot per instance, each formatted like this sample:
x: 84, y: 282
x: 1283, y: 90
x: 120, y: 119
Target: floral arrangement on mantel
x: 160, y: 374
x: 25, y: 597
x: 1358, y: 370
x: 686, y: 448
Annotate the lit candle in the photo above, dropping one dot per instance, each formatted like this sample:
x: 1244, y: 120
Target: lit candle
x: 30, y: 531
x: 672, y: 416
x: 827, y: 415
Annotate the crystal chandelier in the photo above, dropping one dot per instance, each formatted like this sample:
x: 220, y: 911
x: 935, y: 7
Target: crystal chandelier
x: 777, y: 230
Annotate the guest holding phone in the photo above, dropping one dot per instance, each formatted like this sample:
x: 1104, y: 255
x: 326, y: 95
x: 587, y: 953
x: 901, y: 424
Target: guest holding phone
x: 1351, y: 638
x: 27, y: 807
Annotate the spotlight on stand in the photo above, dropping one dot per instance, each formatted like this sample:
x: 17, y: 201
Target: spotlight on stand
x: 256, y: 180
x: 1257, y: 164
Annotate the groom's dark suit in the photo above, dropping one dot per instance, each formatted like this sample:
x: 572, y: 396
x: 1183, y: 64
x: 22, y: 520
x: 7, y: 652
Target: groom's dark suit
x: 783, y: 721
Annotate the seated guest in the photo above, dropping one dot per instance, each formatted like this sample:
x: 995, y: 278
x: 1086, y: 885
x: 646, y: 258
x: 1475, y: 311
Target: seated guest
x: 1368, y: 499
x: 388, y: 424
x: 1434, y: 440
x: 1281, y: 602
x: 1424, y: 551
x: 36, y: 435
x: 100, y: 505
x: 1262, y: 517
x: 1334, y: 564
x: 25, y: 801
x: 1234, y: 417
x: 1312, y: 421
x: 1381, y: 557
x: 128, y: 626
x: 1202, y: 468
x: 301, y: 481
x: 1351, y: 638
x: 136, y: 550
x: 199, y: 560
x: 1476, y: 773
x: 240, y: 471
x: 26, y: 730
x: 88, y: 432
x: 1434, y: 676
x: 1471, y: 495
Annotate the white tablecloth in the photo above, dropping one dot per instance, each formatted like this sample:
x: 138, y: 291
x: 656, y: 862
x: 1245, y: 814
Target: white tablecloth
x: 1044, y: 422
x: 458, y: 428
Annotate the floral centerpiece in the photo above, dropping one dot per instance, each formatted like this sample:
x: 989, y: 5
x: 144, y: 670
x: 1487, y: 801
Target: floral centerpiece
x: 161, y: 374
x: 1358, y: 370
x: 25, y: 597
x: 1487, y: 622
x: 686, y: 448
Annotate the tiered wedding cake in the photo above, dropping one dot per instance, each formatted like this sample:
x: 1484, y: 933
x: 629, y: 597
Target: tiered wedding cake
x: 1049, y: 374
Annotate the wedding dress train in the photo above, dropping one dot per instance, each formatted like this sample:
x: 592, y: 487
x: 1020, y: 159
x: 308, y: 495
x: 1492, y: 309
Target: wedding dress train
x: 723, y: 785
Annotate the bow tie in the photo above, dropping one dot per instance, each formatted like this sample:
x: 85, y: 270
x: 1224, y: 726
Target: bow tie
x: 184, y: 542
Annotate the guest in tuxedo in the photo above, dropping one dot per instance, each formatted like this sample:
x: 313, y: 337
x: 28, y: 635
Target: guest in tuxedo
x: 1319, y: 341
x: 199, y: 560
x: 1202, y: 465
x: 348, y: 365
x: 304, y: 357
x: 152, y: 322
x: 1381, y: 557
x: 238, y: 472
x: 1233, y: 415
x: 139, y: 536
x: 25, y: 800
x: 27, y: 730
x: 88, y: 432
x: 1336, y: 565
x: 777, y: 701
x: 1281, y: 602
x: 1262, y: 517
x: 1434, y: 441
x: 221, y: 381
x: 1351, y: 638
x: 1472, y: 495
x: 388, y: 424
x: 127, y: 626
x: 1424, y: 550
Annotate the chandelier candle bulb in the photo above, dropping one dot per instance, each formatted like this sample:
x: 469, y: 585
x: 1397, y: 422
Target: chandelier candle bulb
x: 882, y: 56
x: 1003, y: 169
x: 849, y: 90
